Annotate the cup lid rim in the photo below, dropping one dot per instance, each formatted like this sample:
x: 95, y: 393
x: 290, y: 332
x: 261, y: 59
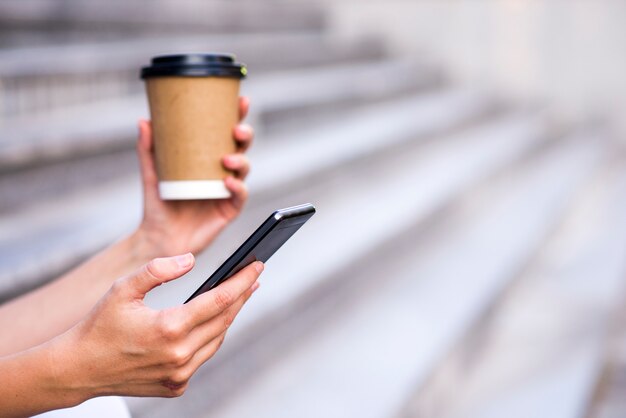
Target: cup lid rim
x: 194, y: 65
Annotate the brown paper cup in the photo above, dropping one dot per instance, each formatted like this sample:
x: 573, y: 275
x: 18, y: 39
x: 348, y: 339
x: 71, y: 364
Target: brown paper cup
x: 194, y: 109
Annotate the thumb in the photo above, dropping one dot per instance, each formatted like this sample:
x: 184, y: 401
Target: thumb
x: 158, y: 271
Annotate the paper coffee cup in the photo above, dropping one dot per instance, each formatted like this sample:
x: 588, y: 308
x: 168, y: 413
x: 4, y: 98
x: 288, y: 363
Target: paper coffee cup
x: 194, y: 107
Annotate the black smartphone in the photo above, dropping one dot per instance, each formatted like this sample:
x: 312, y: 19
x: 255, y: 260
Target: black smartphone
x: 261, y: 245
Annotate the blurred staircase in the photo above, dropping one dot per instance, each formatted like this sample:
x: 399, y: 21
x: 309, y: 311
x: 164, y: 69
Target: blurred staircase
x: 446, y: 218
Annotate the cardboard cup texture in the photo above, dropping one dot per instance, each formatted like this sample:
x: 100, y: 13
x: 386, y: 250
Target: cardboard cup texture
x: 193, y: 119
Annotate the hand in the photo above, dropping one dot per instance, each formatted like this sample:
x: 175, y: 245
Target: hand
x: 125, y: 348
x: 175, y: 227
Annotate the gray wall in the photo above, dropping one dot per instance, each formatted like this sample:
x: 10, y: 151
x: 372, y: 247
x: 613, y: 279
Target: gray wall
x: 572, y: 53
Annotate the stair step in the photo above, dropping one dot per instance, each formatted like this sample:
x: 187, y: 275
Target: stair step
x: 132, y: 17
x: 37, y: 79
x: 73, y: 226
x: 546, y: 338
x: 304, y: 98
x: 424, y: 177
x: 109, y: 125
x: 69, y: 155
x: 396, y: 322
x: 63, y: 158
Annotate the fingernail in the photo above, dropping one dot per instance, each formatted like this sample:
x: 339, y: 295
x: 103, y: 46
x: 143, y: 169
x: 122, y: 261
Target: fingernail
x: 254, y: 287
x: 244, y: 129
x: 184, y: 260
x: 230, y: 160
x: 259, y: 266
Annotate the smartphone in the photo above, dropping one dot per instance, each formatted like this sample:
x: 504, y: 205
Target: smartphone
x: 261, y: 245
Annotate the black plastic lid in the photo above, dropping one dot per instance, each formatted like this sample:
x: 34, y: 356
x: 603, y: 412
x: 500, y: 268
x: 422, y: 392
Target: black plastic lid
x: 195, y: 65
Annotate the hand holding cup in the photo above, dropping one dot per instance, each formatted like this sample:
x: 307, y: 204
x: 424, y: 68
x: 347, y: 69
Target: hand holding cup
x: 188, y: 225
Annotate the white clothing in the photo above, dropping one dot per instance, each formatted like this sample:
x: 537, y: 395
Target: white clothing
x: 103, y: 407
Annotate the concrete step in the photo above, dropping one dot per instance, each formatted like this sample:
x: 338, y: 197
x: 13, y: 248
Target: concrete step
x: 66, y: 157
x: 397, y: 312
x: 67, y: 17
x: 306, y: 98
x: 539, y: 350
x: 344, y: 250
x: 77, y: 224
x: 297, y: 95
x: 53, y: 76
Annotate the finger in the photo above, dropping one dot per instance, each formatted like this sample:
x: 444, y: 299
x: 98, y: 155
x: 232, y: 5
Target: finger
x: 238, y: 163
x: 216, y: 301
x: 200, y: 357
x: 244, y: 135
x: 203, y: 333
x: 210, y: 335
x: 244, y: 106
x: 157, y: 272
x: 238, y: 191
x: 145, y: 153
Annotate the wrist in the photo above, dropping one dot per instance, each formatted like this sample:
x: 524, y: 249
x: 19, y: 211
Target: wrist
x: 142, y: 246
x: 150, y: 242
x: 41, y: 379
x: 65, y: 377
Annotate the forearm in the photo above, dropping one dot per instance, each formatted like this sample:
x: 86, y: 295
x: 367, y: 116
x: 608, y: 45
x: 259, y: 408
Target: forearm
x: 32, y: 385
x: 54, y: 308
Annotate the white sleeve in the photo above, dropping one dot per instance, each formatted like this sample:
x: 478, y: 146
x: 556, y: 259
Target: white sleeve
x: 104, y: 407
